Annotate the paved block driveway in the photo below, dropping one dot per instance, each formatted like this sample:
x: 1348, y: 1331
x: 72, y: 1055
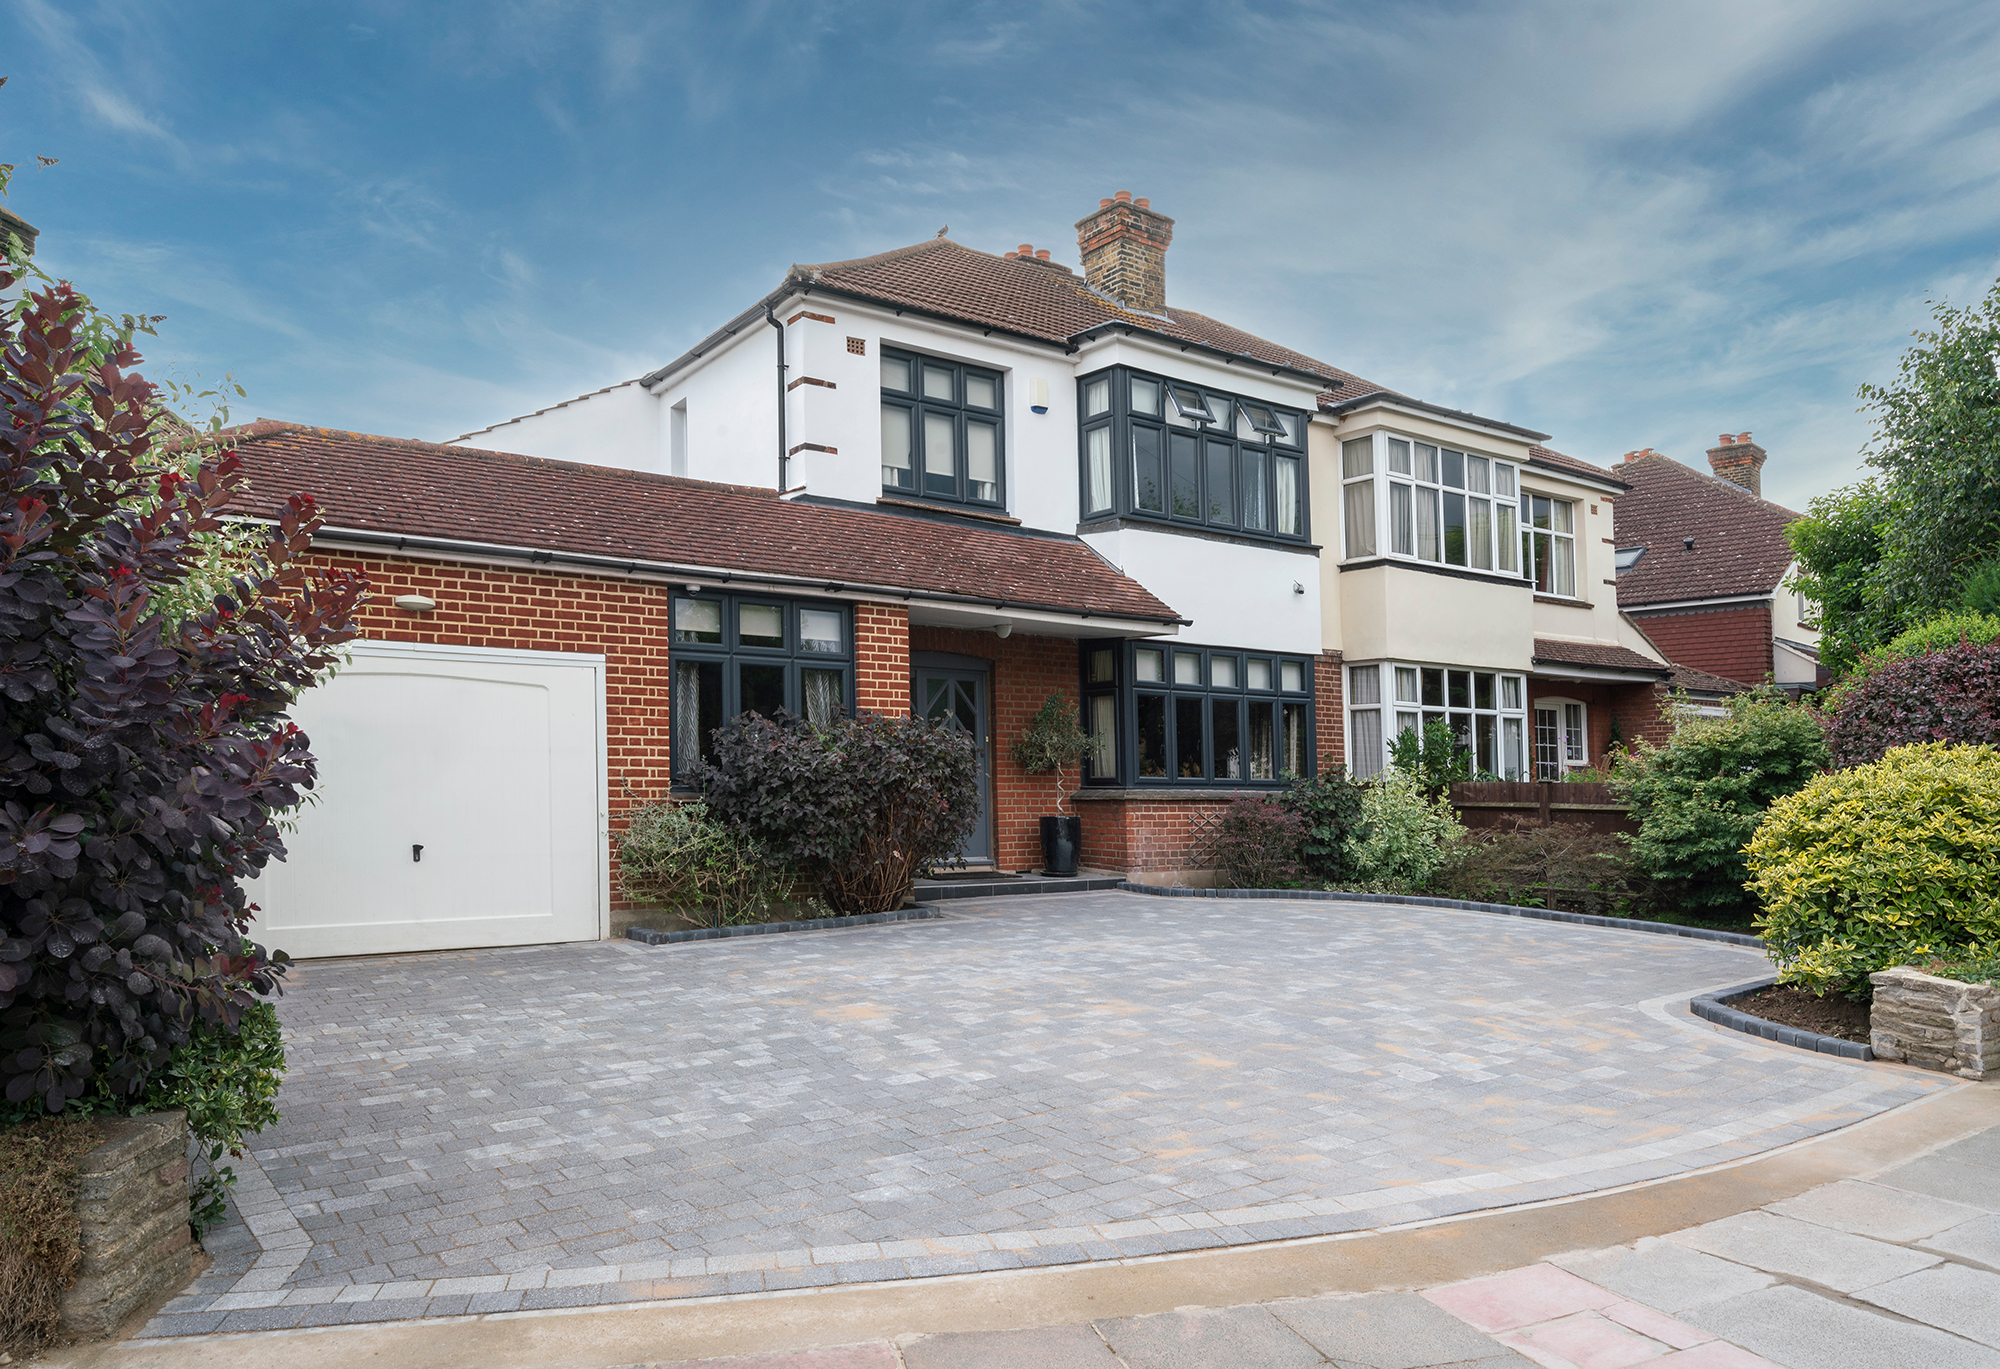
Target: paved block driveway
x: 1030, y: 1081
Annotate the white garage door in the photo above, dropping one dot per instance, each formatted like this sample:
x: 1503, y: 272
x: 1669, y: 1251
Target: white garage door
x: 491, y: 762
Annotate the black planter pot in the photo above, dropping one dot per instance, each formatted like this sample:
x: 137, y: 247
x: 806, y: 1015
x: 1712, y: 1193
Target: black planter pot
x: 1061, y: 839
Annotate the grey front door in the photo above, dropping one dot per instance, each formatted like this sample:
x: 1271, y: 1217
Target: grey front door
x: 958, y: 698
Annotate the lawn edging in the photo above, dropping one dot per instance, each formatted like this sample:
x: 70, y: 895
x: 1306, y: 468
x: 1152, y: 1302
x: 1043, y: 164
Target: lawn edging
x: 649, y: 936
x: 1629, y: 924
x: 1714, y: 1007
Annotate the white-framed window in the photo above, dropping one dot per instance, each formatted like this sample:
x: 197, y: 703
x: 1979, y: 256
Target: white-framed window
x: 1562, y: 738
x: 1421, y: 501
x: 1485, y: 708
x: 1548, y: 543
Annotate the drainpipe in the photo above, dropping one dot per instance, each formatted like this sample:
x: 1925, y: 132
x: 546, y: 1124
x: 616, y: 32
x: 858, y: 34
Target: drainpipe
x: 784, y: 458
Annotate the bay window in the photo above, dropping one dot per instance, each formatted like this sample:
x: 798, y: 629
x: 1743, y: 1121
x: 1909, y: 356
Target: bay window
x: 1161, y: 714
x: 732, y: 654
x: 942, y: 430
x: 1163, y: 450
x: 1485, y: 709
x: 1437, y: 504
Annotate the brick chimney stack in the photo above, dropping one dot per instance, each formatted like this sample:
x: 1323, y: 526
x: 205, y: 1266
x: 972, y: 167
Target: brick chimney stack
x: 1124, y: 246
x: 1740, y: 461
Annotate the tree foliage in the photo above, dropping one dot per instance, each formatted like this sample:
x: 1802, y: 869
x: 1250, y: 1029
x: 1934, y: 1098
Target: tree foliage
x: 144, y: 761
x: 1052, y: 741
x: 1839, y: 546
x: 1435, y: 757
x: 1698, y: 798
x: 1950, y: 693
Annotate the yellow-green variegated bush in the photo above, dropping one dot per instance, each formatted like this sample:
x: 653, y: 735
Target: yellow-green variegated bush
x: 1881, y: 864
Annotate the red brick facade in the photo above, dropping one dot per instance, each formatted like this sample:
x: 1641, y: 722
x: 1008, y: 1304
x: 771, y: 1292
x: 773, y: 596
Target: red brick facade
x: 1329, y: 711
x: 1733, y: 642
x: 1639, y: 709
x: 882, y: 658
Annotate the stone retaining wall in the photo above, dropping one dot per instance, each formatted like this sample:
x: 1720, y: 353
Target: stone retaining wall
x: 1936, y: 1024
x: 132, y: 1197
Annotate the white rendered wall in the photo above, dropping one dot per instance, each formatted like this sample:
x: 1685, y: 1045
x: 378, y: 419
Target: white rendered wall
x: 615, y: 427
x: 732, y: 410
x: 1237, y: 595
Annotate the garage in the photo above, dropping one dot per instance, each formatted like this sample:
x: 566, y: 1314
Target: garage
x: 460, y: 804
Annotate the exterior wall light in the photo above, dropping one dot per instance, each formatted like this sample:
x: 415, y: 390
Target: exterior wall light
x: 1003, y: 629
x: 415, y: 603
x: 1298, y: 588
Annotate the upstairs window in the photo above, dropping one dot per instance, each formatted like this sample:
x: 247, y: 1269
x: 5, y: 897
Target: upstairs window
x: 1426, y: 502
x: 1548, y: 543
x: 942, y: 430
x: 1164, y: 450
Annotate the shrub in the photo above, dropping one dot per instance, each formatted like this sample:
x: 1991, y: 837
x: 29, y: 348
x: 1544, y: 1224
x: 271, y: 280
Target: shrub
x: 1564, y: 865
x: 1435, y: 756
x: 1329, y: 807
x: 145, y: 758
x: 1408, y: 835
x: 1948, y: 695
x: 40, y: 1234
x: 858, y: 805
x: 1258, y: 847
x: 681, y: 856
x: 1698, y: 798
x: 1981, y: 591
x: 1052, y: 741
x: 1883, y: 864
x: 228, y: 1082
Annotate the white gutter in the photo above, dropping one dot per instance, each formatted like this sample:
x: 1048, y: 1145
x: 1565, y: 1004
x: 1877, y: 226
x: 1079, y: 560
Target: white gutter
x: 1720, y: 601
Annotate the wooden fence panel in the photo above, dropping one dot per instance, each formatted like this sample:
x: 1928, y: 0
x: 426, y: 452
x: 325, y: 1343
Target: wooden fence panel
x: 1508, y: 803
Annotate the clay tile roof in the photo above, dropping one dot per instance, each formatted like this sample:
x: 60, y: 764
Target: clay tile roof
x: 1036, y: 298
x: 1544, y: 456
x: 1701, y: 682
x: 1739, y: 539
x: 424, y: 489
x: 1594, y: 655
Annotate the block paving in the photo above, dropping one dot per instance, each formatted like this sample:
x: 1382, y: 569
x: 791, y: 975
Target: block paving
x: 1028, y: 1081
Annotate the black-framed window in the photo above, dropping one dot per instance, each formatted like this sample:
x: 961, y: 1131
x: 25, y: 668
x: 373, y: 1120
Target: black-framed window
x: 1164, y: 450
x: 1170, y: 714
x: 943, y: 433
x: 733, y: 654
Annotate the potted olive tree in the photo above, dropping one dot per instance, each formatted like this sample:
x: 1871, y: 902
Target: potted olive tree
x: 1052, y: 742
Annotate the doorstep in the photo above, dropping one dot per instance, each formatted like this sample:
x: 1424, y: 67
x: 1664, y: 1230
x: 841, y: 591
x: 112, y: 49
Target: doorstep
x: 929, y: 891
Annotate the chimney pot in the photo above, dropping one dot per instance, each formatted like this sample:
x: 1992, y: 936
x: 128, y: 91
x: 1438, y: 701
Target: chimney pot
x: 1026, y: 249
x: 1042, y: 254
x: 1009, y: 255
x: 1124, y: 249
x: 1740, y: 461
x: 1143, y: 203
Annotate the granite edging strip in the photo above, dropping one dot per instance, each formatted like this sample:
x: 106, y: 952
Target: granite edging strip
x: 1628, y: 924
x: 647, y: 936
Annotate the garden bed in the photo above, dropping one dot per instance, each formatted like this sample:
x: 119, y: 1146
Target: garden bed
x: 1831, y: 1014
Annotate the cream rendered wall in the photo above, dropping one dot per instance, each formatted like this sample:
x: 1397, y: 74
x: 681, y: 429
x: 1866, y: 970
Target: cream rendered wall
x: 620, y: 426
x: 1237, y: 594
x: 1397, y: 612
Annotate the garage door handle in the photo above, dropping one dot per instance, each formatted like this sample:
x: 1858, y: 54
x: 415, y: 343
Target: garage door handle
x: 416, y: 852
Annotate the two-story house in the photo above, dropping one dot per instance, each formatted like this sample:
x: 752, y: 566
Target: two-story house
x: 956, y: 482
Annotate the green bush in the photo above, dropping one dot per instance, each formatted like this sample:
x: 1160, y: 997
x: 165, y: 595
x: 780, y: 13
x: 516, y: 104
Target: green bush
x: 1564, y: 865
x: 1698, y: 798
x: 858, y: 806
x: 1408, y: 836
x: 228, y: 1082
x: 1981, y: 592
x: 1884, y: 864
x: 1435, y: 756
x: 1937, y: 633
x: 1329, y: 812
x: 681, y: 856
x: 1259, y: 845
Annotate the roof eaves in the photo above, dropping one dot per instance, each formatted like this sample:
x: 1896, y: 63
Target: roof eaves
x: 1189, y: 345
x: 900, y: 308
x: 723, y: 334
x: 1391, y: 397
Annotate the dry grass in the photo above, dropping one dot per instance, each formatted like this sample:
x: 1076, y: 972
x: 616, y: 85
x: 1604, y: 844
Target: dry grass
x: 39, y: 1231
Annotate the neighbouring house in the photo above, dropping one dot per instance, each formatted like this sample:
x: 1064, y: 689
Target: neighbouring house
x: 1702, y: 566
x: 952, y: 482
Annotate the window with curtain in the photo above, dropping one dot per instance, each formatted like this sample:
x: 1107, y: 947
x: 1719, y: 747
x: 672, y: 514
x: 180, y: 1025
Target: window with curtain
x: 1439, y: 504
x: 1161, y: 713
x: 1548, y: 543
x: 731, y: 654
x: 1562, y: 738
x: 1486, y: 710
x: 1170, y: 451
x: 942, y: 430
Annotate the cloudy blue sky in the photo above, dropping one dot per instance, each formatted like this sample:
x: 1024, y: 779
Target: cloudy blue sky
x: 1626, y: 224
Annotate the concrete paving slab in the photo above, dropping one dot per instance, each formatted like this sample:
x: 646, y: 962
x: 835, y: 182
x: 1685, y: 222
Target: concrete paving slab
x: 1661, y: 1274
x: 1802, y: 1330
x: 1801, y: 1250
x: 1385, y: 1331
x: 1982, y: 1150
x: 1977, y: 1240
x: 1520, y: 1297
x: 1957, y: 1299
x: 1887, y: 1214
x: 1942, y: 1177
x: 1584, y: 1340
x: 1058, y: 1347
x: 1202, y: 1340
x: 836, y: 1357
x: 1714, y: 1355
